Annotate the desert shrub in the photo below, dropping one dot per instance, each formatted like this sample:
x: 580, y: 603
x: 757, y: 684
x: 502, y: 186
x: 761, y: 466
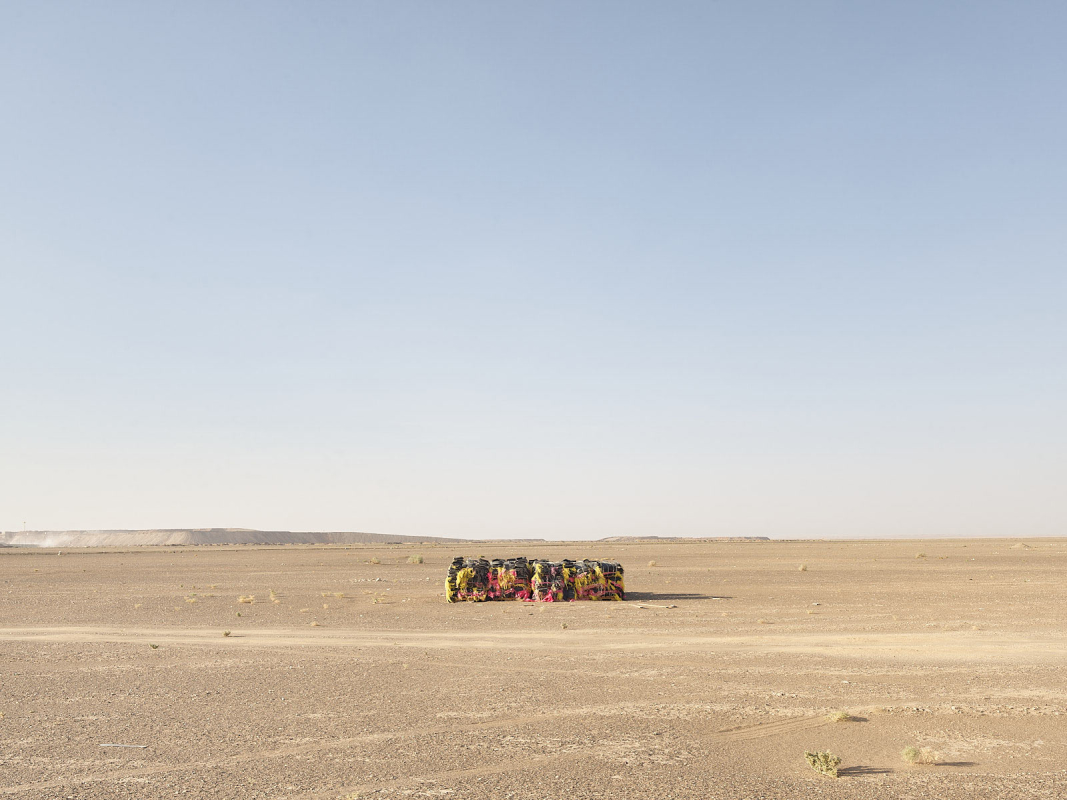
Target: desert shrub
x: 652, y: 563
x: 414, y: 559
x: 823, y: 762
x: 376, y: 560
x: 247, y: 598
x: 840, y: 716
x: 920, y: 755
x: 803, y: 568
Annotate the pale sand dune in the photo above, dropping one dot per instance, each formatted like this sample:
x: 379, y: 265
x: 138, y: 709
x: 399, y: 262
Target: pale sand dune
x: 397, y: 694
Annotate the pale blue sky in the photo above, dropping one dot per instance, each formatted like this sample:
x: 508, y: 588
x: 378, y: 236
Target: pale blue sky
x: 565, y: 269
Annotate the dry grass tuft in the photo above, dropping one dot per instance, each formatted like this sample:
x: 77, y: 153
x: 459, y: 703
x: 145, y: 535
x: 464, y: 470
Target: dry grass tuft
x: 920, y: 555
x: 840, y: 716
x: 920, y: 755
x: 375, y: 560
x: 315, y: 625
x: 414, y: 559
x: 652, y: 563
x: 823, y: 762
x: 247, y: 598
x: 803, y: 568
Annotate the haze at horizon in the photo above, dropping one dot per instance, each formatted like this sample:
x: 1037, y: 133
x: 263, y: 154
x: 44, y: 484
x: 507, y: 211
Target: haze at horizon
x: 550, y: 270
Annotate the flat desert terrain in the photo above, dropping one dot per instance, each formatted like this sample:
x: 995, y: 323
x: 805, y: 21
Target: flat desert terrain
x: 348, y: 676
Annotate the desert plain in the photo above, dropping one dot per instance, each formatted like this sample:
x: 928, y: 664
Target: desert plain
x: 341, y: 672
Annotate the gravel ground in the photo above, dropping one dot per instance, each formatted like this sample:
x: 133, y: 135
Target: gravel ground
x: 347, y: 675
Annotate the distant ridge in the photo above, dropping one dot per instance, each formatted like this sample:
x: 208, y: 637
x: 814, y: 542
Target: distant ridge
x: 685, y: 539
x: 188, y: 537
x: 200, y: 536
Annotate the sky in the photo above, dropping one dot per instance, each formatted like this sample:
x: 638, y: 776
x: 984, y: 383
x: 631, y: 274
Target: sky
x: 553, y: 269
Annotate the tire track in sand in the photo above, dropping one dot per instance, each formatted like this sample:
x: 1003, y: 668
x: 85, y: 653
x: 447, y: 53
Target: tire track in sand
x: 451, y: 775
x: 281, y: 752
x: 740, y: 733
x: 767, y: 729
x: 957, y: 646
x: 302, y: 749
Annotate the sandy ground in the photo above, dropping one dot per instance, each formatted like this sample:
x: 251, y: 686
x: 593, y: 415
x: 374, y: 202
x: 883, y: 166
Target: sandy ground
x: 356, y: 679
